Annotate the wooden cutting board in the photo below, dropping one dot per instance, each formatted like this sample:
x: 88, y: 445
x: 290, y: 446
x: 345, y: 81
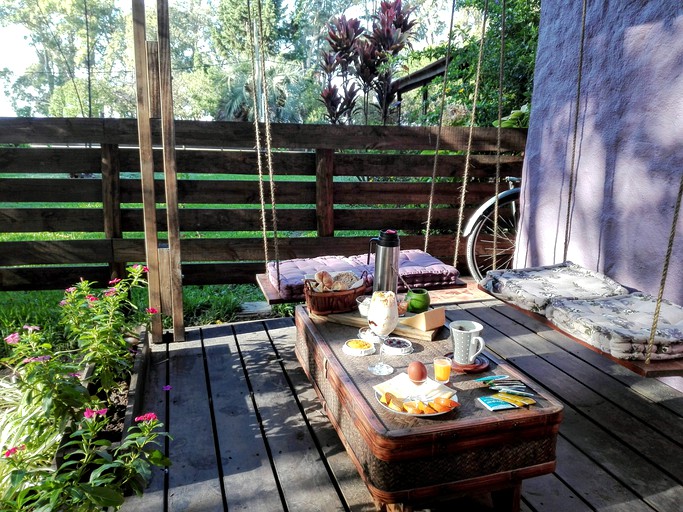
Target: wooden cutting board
x: 355, y: 320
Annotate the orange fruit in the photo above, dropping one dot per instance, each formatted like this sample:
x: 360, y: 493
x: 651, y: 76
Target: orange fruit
x: 446, y: 402
x: 396, y: 405
x: 412, y: 408
x: 425, y: 408
x: 439, y: 407
x: 386, y: 398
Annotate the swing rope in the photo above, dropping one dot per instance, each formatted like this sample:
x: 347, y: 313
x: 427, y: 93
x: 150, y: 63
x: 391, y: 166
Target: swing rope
x: 665, y: 272
x: 438, y: 133
x: 577, y: 107
x: 465, y: 175
x: 269, y: 153
x: 257, y: 134
x: 501, y: 77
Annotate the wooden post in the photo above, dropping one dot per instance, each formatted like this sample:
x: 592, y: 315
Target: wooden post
x: 153, y: 79
x: 324, y: 194
x: 170, y: 172
x: 111, y: 204
x: 147, y: 166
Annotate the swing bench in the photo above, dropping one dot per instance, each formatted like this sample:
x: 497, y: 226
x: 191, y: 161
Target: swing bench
x: 598, y: 312
x: 284, y: 280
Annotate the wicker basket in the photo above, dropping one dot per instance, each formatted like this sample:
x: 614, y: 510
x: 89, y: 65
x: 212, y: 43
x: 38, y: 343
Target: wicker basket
x: 325, y: 303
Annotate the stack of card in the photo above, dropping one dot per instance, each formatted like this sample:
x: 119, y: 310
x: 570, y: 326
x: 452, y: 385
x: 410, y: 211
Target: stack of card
x: 510, y: 393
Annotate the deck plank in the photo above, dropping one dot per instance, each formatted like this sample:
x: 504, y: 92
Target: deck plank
x: 248, y: 479
x: 356, y: 494
x: 547, y: 493
x: 193, y: 477
x: 304, y: 479
x: 154, y: 401
x: 605, y: 491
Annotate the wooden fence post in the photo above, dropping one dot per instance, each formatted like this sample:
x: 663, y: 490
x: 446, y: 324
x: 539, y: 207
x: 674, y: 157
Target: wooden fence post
x: 324, y: 193
x: 147, y: 167
x: 111, y: 204
x: 173, y: 268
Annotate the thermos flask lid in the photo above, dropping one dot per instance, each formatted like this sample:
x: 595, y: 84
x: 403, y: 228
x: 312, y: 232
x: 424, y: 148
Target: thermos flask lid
x: 388, y: 238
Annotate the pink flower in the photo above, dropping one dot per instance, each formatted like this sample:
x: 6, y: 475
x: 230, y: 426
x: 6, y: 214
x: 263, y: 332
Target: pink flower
x: 31, y: 328
x: 110, y: 292
x: 62, y: 303
x: 149, y: 416
x: 168, y: 387
x: 14, y: 450
x: 71, y: 289
x: 13, y: 338
x: 114, y: 281
x: 75, y: 375
x: 38, y: 359
x: 145, y: 269
x: 91, y: 298
x: 152, y: 311
x: 91, y: 413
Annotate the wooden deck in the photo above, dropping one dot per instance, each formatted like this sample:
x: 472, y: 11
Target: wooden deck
x: 249, y: 434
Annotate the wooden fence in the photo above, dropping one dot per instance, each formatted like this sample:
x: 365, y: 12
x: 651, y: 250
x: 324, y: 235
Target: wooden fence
x: 78, y: 181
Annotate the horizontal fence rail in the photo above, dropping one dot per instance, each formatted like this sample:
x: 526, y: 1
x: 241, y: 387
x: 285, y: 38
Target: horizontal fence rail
x: 70, y: 194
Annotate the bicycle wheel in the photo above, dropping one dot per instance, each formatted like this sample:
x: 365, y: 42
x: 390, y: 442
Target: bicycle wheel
x: 480, y: 243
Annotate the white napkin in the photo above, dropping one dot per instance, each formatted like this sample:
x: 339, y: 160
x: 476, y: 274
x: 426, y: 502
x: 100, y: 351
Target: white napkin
x: 402, y: 387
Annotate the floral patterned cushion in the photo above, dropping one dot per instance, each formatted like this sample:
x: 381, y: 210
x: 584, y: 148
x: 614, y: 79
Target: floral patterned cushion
x: 621, y: 325
x: 533, y: 288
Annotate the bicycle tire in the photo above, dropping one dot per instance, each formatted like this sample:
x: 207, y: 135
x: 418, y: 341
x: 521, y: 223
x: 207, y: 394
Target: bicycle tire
x: 480, y: 240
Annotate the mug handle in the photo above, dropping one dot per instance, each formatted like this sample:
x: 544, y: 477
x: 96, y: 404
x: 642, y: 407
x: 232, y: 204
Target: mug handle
x: 480, y: 344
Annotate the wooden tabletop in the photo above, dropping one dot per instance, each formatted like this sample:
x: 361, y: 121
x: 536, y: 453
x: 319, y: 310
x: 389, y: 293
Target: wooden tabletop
x: 470, y: 420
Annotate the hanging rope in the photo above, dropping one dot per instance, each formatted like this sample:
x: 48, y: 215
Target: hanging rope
x: 256, y: 36
x: 465, y: 175
x: 438, y: 132
x: 665, y: 272
x: 501, y: 77
x: 572, y: 169
x: 269, y: 153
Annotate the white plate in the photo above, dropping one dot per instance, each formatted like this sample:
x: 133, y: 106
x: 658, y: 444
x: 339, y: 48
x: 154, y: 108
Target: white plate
x: 378, y: 396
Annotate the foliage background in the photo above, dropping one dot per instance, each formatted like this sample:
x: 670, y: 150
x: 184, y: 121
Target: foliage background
x: 85, y: 64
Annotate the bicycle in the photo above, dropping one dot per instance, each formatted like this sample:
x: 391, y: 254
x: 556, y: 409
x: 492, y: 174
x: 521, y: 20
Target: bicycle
x: 479, y: 231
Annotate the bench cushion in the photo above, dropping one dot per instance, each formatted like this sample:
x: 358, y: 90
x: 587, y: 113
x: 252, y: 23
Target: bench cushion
x: 621, y: 325
x: 533, y: 288
x: 418, y: 268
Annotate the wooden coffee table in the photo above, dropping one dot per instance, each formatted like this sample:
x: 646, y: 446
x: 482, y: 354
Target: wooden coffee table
x: 407, y: 461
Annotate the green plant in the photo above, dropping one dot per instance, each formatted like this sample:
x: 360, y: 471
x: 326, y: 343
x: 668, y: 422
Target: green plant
x: 98, y: 322
x: 43, y: 392
x: 518, y: 118
x: 94, y: 474
x: 364, y: 62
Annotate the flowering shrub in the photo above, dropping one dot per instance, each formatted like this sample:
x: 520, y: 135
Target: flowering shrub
x: 95, y: 474
x: 98, y: 323
x: 47, y: 391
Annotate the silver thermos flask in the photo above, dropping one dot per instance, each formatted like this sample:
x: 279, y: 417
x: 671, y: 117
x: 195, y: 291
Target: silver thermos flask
x: 386, y: 260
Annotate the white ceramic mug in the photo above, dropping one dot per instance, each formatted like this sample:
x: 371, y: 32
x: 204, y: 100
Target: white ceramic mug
x: 467, y: 344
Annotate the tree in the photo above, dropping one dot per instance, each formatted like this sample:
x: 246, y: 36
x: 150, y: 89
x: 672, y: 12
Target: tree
x: 522, y: 18
x: 238, y: 19
x: 71, y: 39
